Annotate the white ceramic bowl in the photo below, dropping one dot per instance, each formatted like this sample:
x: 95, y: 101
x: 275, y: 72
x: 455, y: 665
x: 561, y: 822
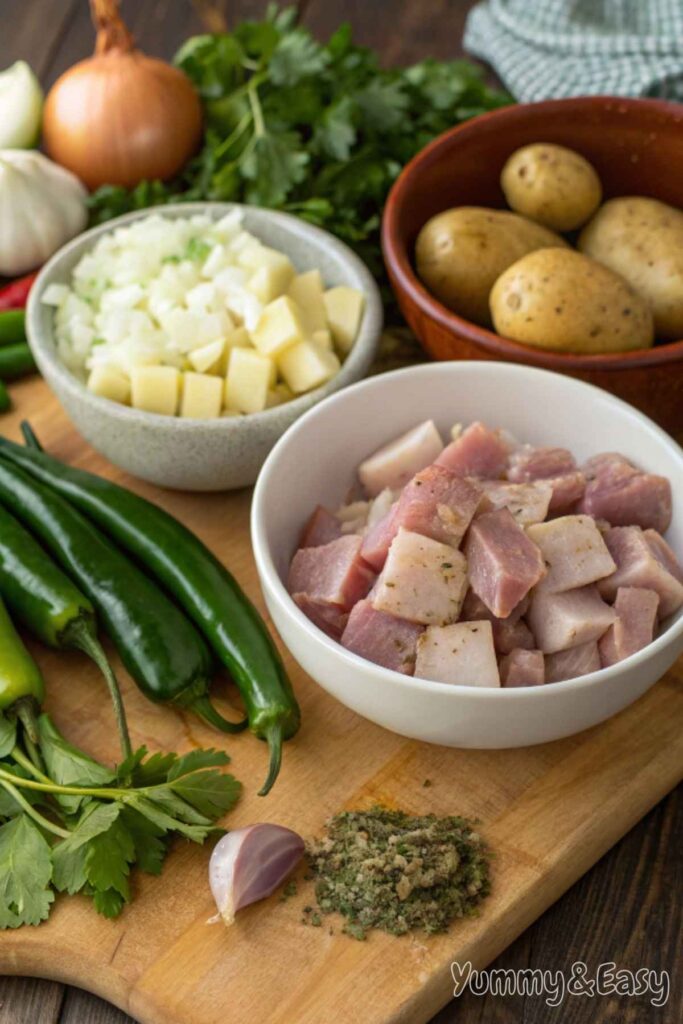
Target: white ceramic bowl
x: 330, y: 441
x: 200, y: 455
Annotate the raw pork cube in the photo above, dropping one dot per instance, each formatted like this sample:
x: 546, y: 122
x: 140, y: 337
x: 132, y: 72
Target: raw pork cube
x: 570, y: 664
x: 333, y: 574
x: 527, y: 503
x: 382, y: 638
x: 422, y: 580
x: 574, y: 552
x: 321, y: 528
x: 522, y: 668
x: 331, y: 618
x: 639, y: 566
x: 377, y: 540
x: 663, y: 553
x: 503, y: 563
x: 555, y: 465
x: 559, y: 621
x: 461, y: 654
x: 635, y: 626
x: 395, y: 463
x: 477, y: 452
x: 624, y: 496
x: 508, y: 633
x: 435, y: 503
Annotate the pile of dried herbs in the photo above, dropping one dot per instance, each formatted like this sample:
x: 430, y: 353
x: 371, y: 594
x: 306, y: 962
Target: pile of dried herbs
x: 385, y: 869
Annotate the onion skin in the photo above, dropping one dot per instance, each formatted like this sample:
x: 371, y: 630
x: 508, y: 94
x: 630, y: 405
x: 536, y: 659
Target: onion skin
x: 121, y: 117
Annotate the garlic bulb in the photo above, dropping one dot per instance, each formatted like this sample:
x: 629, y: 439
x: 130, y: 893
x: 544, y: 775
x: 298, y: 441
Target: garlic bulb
x: 21, y: 107
x: 42, y: 206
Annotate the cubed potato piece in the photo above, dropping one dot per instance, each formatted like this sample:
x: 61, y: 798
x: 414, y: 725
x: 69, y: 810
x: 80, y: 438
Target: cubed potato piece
x: 268, y: 283
x: 461, y: 654
x: 208, y: 359
x: 344, y: 309
x: 156, y: 389
x: 256, y: 255
x: 306, y: 366
x: 323, y: 339
x: 202, y: 397
x: 308, y: 293
x: 278, y: 395
x: 250, y: 376
x: 108, y: 382
x: 279, y: 328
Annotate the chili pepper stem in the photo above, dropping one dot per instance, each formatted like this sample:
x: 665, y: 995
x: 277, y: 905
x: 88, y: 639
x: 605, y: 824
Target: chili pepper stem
x: 273, y: 737
x: 205, y: 709
x: 49, y: 826
x: 84, y: 641
x: 30, y: 437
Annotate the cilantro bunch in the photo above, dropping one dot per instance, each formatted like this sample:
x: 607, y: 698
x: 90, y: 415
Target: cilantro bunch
x: 319, y: 130
x: 77, y: 826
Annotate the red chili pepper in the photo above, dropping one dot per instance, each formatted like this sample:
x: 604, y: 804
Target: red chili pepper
x: 15, y: 295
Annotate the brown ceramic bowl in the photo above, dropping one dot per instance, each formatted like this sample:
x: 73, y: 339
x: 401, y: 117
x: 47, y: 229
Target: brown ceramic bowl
x: 636, y: 147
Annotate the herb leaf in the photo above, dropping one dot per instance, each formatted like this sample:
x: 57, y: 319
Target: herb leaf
x: 25, y: 874
x: 8, y: 735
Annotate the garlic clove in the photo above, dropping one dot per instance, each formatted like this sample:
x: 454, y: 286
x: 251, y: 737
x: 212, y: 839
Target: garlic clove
x: 250, y: 863
x: 21, y: 107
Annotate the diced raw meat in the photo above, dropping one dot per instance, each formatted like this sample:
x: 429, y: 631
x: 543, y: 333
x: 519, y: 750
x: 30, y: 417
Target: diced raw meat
x: 555, y: 465
x: 559, y: 621
x: 334, y: 573
x: 377, y: 540
x: 395, y: 463
x: 575, y: 662
x: 384, y: 639
x: 422, y: 580
x: 574, y: 552
x: 461, y: 654
x: 478, y: 452
x: 522, y: 668
x: 503, y: 563
x: 638, y: 566
x: 527, y: 503
x: 624, y: 496
x: 321, y: 528
x: 664, y: 554
x: 331, y: 618
x: 507, y: 633
x: 435, y: 504
x: 529, y: 463
x: 635, y: 626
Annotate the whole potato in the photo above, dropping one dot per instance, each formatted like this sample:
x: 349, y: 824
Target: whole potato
x: 460, y: 253
x: 642, y: 239
x: 559, y: 299
x: 552, y: 185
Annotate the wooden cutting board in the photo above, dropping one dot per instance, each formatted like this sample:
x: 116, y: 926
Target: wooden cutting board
x: 549, y: 813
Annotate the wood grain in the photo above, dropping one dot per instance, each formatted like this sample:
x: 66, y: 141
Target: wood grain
x: 549, y: 812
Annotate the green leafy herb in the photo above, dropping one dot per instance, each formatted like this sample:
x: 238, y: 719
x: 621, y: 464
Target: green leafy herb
x: 318, y: 129
x: 101, y: 824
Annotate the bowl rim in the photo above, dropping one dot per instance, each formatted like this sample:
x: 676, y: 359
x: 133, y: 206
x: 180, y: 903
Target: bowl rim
x: 272, y: 584
x: 365, y: 346
x: 404, y: 279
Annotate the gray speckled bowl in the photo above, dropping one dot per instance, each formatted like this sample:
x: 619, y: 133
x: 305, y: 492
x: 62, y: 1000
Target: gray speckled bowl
x: 201, y: 455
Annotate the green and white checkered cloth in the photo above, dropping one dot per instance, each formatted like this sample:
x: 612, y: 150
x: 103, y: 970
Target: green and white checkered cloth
x: 544, y: 49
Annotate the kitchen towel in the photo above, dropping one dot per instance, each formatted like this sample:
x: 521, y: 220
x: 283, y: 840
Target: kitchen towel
x: 544, y: 49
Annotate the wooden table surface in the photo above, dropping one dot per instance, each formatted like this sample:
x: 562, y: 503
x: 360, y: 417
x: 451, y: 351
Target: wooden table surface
x: 628, y: 908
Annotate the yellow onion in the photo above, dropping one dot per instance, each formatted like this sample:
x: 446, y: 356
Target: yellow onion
x: 120, y: 117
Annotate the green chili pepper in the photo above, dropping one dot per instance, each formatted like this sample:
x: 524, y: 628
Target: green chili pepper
x: 160, y: 648
x: 198, y: 581
x: 12, y: 326
x: 44, y: 600
x: 21, y: 683
x: 16, y: 361
x: 5, y: 401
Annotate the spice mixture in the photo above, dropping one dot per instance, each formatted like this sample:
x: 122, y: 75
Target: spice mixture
x: 385, y: 869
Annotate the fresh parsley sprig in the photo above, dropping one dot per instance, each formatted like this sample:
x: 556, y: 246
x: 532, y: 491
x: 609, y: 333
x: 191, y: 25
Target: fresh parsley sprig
x: 82, y: 827
x: 318, y: 129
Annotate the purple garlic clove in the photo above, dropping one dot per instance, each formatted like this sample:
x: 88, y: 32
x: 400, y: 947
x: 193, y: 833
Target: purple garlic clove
x: 250, y: 863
